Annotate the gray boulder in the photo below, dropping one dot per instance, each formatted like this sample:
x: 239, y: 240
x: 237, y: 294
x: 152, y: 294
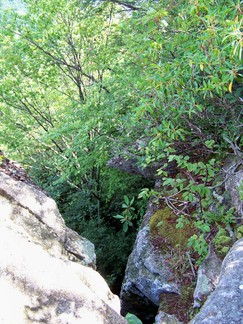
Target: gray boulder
x: 225, y: 304
x: 36, y: 214
x: 46, y: 270
x: 207, y: 277
x: 147, y: 276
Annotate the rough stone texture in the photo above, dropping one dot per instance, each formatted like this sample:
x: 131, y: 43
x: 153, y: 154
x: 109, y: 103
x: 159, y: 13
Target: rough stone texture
x: 234, y: 179
x: 163, y: 318
x: 147, y: 276
x: 207, y: 277
x: 44, y: 273
x: 36, y: 215
x: 225, y: 304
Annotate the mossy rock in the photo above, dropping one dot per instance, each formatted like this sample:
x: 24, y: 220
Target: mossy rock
x: 181, y: 305
x: 165, y: 235
x: 172, y: 243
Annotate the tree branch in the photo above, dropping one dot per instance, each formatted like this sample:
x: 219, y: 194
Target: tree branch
x: 126, y: 4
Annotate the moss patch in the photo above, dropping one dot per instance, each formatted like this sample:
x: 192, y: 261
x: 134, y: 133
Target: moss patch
x: 165, y: 235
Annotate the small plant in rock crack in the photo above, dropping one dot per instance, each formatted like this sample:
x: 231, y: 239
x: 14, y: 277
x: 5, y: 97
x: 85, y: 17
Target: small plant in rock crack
x: 128, y: 215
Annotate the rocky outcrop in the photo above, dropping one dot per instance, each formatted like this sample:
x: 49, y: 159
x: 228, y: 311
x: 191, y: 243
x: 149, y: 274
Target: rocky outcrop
x: 147, y: 276
x: 225, y: 304
x: 46, y: 270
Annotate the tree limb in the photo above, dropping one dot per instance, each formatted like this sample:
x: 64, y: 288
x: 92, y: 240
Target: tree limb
x: 126, y: 4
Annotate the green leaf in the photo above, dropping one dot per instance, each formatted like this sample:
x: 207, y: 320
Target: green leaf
x: 159, y: 223
x: 126, y: 199
x: 119, y: 217
x: 132, y: 201
x: 133, y: 319
x: 209, y: 143
x: 125, y: 227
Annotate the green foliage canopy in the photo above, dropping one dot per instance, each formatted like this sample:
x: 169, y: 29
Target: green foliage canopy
x: 82, y: 81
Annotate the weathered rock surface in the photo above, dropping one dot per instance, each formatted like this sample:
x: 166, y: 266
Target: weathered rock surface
x: 207, y: 277
x: 163, y: 318
x: 225, y: 304
x: 234, y: 179
x: 147, y: 276
x: 46, y: 270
